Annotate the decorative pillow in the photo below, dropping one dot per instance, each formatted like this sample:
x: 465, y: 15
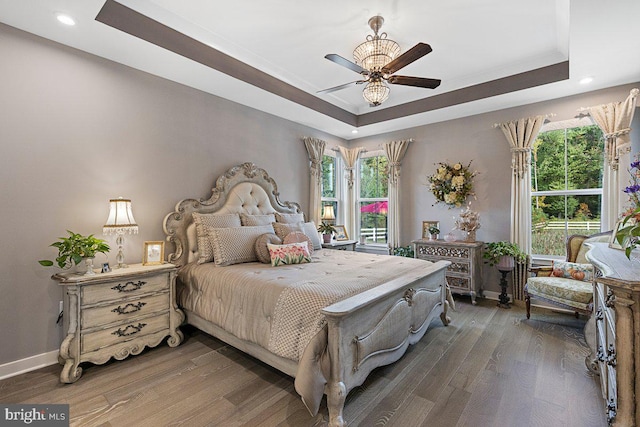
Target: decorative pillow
x: 235, y: 245
x: 283, y: 229
x: 253, y: 220
x: 298, y: 237
x: 308, y: 228
x: 572, y: 270
x: 289, y: 218
x: 262, y: 251
x: 293, y: 253
x: 205, y: 251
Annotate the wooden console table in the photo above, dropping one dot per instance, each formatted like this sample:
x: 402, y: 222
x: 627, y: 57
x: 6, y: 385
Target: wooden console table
x: 616, y: 297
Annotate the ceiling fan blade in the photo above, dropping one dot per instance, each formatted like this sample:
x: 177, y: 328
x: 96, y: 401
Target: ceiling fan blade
x: 414, y: 81
x: 344, y: 86
x: 416, y: 52
x: 346, y: 63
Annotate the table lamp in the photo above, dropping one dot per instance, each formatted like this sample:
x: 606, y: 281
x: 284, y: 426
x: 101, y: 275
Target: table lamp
x: 120, y: 221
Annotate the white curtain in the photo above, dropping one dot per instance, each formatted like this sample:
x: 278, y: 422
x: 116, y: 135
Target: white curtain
x: 520, y: 134
x: 315, y: 148
x: 615, y: 120
x: 395, y: 151
x: 350, y: 157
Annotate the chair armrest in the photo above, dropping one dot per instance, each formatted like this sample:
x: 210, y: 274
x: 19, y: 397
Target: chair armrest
x: 541, y: 271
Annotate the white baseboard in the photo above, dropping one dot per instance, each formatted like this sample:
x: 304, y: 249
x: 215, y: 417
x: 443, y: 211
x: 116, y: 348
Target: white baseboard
x: 28, y: 364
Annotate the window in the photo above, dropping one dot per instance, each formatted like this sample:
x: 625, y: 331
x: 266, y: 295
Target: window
x: 566, y: 179
x: 329, y: 185
x: 373, y: 198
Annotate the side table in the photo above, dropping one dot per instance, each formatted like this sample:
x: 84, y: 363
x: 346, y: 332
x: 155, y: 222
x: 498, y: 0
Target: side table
x: 117, y: 314
x: 341, y: 245
x: 464, y: 274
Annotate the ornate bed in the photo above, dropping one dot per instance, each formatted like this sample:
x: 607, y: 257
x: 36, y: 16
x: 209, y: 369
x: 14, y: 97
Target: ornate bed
x: 345, y: 337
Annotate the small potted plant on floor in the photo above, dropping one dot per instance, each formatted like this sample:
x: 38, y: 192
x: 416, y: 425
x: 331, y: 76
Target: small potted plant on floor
x: 74, y: 249
x: 327, y: 230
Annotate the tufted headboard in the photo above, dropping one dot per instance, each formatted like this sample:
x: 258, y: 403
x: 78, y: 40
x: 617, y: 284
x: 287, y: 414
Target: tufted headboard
x: 242, y: 189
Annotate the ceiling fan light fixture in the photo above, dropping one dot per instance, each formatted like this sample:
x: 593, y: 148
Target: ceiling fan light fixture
x: 378, y: 50
x: 376, y: 92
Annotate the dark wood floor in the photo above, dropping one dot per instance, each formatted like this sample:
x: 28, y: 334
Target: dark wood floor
x: 490, y: 367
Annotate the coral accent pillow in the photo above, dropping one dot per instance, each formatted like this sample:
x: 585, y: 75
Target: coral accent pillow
x: 298, y: 237
x: 262, y: 251
x: 572, y: 270
x: 293, y: 253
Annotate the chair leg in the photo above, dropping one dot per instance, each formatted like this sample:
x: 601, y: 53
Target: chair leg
x: 527, y: 303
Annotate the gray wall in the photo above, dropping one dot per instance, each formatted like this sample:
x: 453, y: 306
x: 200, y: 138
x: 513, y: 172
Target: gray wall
x: 474, y: 139
x: 77, y: 130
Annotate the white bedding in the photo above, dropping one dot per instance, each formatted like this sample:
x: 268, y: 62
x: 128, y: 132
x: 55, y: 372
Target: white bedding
x: 278, y: 308
x: 248, y: 299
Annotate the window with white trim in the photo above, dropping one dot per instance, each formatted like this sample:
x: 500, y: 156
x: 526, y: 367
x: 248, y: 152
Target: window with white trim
x: 330, y: 185
x: 566, y: 178
x: 373, y: 197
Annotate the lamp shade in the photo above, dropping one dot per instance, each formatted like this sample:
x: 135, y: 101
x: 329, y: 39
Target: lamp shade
x: 120, y: 219
x: 328, y: 213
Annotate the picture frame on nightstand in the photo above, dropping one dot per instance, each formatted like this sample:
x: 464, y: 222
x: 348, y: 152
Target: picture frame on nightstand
x: 341, y: 232
x: 153, y: 253
x: 425, y: 228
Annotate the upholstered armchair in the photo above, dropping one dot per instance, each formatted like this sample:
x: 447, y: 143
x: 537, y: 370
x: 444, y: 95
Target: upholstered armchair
x: 567, y: 284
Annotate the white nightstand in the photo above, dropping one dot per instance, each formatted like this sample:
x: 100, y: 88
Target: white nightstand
x: 341, y: 245
x: 117, y: 314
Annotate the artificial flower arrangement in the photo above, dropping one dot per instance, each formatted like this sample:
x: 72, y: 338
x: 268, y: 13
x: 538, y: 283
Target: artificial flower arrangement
x: 469, y: 221
x: 452, y: 183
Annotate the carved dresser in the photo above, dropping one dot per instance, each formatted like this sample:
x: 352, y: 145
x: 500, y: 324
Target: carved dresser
x: 116, y: 314
x: 616, y: 297
x: 464, y: 275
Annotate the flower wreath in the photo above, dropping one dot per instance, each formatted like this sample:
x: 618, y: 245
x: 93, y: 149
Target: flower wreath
x: 452, y: 184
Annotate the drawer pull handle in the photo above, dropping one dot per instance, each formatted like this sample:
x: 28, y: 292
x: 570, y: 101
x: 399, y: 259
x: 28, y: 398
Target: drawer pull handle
x: 599, y: 314
x: 611, y: 299
x: 129, y: 308
x: 611, y: 412
x: 129, y: 286
x: 611, y: 356
x: 129, y: 330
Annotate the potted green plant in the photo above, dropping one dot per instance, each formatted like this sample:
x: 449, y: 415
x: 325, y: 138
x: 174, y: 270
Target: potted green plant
x: 433, y: 232
x: 405, y: 251
x: 503, y: 254
x: 327, y: 230
x: 75, y: 248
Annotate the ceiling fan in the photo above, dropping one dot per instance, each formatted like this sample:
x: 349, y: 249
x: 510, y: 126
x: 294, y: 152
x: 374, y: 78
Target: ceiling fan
x: 376, y: 60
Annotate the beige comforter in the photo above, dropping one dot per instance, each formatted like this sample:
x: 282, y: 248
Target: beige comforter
x: 279, y: 308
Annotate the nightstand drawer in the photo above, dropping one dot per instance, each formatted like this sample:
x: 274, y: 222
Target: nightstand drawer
x: 123, y: 311
x: 459, y: 283
x: 124, y: 332
x: 124, y: 289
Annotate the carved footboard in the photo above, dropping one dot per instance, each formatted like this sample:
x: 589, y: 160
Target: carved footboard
x: 375, y: 328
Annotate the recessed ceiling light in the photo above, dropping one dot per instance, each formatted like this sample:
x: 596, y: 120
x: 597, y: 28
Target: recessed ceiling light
x: 354, y: 131
x: 586, y: 80
x: 65, y: 19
